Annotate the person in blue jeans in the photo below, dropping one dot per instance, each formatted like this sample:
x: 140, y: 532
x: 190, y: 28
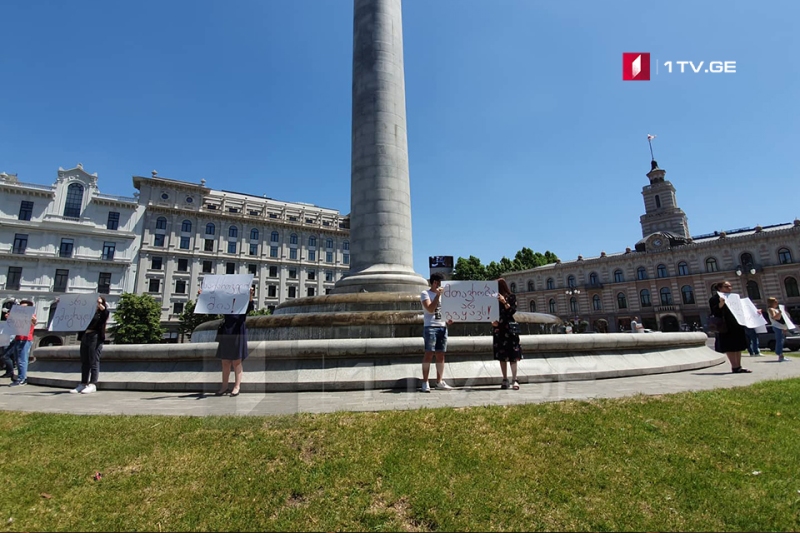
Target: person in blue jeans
x: 779, y: 326
x: 434, y: 332
x: 23, y: 350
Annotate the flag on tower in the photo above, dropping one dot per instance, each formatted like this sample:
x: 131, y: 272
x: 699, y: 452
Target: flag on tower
x: 650, y: 137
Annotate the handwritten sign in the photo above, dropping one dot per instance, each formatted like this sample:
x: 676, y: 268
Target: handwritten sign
x: 74, y: 312
x: 743, y: 310
x: 19, y: 320
x: 227, y: 294
x: 5, y: 338
x: 470, y: 301
x: 753, y: 318
x: 786, y: 318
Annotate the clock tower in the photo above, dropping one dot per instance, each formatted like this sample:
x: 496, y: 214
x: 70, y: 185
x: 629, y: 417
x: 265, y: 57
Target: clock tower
x: 662, y: 214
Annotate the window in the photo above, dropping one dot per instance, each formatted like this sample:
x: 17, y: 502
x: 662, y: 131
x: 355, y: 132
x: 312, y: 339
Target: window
x: 254, y: 249
x: 275, y: 237
x: 644, y: 298
x: 273, y: 272
x: 15, y: 276
x: 233, y: 232
x: 108, y: 250
x: 513, y: 287
x: 66, y: 248
x: 571, y: 281
x: 273, y: 251
x: 594, y: 279
x: 687, y: 293
x: 752, y: 290
x: 597, y: 305
x: 530, y: 286
x: 641, y: 273
x: 683, y: 269
x: 622, y: 302
x: 329, y: 257
x: 346, y: 245
x: 312, y: 241
x: 661, y: 271
x: 312, y: 274
x: 155, y: 284
x: 292, y: 292
x: 164, y: 196
x: 252, y: 269
x: 550, y: 283
x: 210, y: 229
x: 618, y: 277
x: 230, y: 268
x: 207, y: 267
x: 293, y: 238
x: 72, y: 207
x: 272, y: 291
x: 208, y: 245
x: 328, y: 275
x: 180, y: 287
x: 329, y: 243
x: 532, y: 306
x: 231, y: 247
x: 254, y: 234
x: 746, y: 259
x: 658, y: 202
x: 666, y: 296
x: 20, y: 243
x: 346, y: 259
x: 25, y: 210
x: 156, y: 263
x: 552, y: 306
x: 183, y: 265
x: 177, y: 308
x: 184, y: 245
x: 784, y: 256
x: 293, y: 273
x: 186, y: 226
x: 161, y: 223
x: 790, y: 284
x: 310, y: 291
x: 312, y: 255
x: 113, y: 220
x: 711, y: 265
x: 104, y: 283
x: 61, y: 280
x: 158, y: 241
x: 292, y: 253
x: 573, y: 305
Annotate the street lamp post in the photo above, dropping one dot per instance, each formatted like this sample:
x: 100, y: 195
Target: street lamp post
x: 571, y: 291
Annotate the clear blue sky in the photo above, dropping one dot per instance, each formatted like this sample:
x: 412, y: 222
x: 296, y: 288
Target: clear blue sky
x: 521, y: 130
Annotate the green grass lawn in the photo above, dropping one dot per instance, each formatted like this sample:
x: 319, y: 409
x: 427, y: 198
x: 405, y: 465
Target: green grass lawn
x: 720, y: 460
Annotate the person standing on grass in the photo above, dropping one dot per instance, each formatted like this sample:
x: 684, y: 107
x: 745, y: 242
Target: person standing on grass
x: 434, y: 332
x: 232, y: 347
x: 733, y: 341
x: 780, y: 325
x: 91, y: 347
x: 22, y: 350
x: 505, y: 335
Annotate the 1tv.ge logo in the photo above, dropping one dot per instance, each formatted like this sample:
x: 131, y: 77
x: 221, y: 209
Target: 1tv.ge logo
x: 636, y: 66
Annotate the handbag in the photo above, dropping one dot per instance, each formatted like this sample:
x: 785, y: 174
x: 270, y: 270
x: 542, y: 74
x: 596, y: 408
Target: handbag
x: 717, y: 324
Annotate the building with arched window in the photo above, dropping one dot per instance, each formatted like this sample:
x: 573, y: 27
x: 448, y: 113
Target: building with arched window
x: 666, y: 277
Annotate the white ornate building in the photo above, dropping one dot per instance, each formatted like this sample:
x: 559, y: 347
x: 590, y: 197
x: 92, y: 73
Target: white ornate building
x: 666, y: 279
x: 63, y: 238
x: 293, y: 249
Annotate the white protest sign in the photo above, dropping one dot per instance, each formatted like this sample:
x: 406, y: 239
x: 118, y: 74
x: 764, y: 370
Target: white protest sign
x: 227, y: 294
x: 74, y: 312
x: 786, y: 318
x: 5, y: 338
x: 19, y: 320
x: 736, y: 304
x: 752, y: 317
x: 470, y: 301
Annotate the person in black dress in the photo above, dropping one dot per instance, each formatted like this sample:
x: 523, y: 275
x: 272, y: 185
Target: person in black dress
x: 733, y: 341
x: 232, y: 348
x: 91, y: 347
x: 505, y: 335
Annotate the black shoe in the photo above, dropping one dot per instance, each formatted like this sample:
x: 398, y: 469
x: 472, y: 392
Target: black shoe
x: 7, y: 375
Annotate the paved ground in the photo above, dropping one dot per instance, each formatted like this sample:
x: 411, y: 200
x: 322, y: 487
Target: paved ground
x: 51, y: 400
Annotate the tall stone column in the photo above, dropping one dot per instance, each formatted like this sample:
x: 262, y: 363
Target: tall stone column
x: 380, y: 196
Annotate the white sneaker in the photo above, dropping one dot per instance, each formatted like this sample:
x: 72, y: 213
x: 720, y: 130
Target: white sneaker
x: 425, y: 387
x: 443, y: 386
x: 90, y: 388
x: 78, y: 389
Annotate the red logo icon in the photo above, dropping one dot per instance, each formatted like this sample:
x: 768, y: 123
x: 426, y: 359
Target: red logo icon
x: 635, y: 66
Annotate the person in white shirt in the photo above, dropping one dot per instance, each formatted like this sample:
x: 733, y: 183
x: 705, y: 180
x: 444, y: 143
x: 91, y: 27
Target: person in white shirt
x: 636, y: 326
x: 434, y: 332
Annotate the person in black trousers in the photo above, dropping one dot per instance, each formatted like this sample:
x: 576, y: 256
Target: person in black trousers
x: 91, y: 348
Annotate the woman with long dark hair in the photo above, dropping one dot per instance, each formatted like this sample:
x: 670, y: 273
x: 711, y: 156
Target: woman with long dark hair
x: 505, y: 335
x: 91, y: 347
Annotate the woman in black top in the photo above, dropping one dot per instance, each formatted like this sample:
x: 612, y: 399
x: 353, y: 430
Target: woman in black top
x: 91, y: 348
x: 505, y: 335
x: 232, y: 347
x: 734, y: 340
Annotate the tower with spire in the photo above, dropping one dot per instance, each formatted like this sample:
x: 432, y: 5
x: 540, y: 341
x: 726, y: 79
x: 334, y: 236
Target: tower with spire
x: 661, y: 211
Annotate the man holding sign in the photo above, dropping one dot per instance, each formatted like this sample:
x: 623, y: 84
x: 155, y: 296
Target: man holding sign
x: 434, y: 332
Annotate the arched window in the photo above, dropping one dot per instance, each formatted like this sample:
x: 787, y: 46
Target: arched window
x: 275, y: 237
x: 161, y: 223
x: 571, y: 281
x: 293, y: 238
x: 312, y: 242
x: 210, y: 229
x: 532, y: 306
x: 573, y: 305
x: 666, y: 296
x: 552, y: 306
x: 550, y: 283
x: 661, y: 271
x: 346, y: 245
x: 233, y: 231
x: 254, y: 234
x: 658, y: 201
x: 530, y: 286
x: 597, y: 305
x: 186, y: 226
x: 618, y: 277
x: 644, y: 298
x: 790, y: 284
x: 513, y: 287
x: 784, y: 255
x: 711, y: 265
x: 683, y: 268
x: 641, y: 273
x: 687, y: 293
x: 329, y: 243
x: 752, y: 290
x: 594, y: 279
x: 622, y: 302
x: 72, y: 207
x: 746, y: 259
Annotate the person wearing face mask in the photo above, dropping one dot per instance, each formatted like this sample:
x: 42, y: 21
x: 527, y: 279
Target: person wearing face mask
x: 733, y: 341
x: 91, y: 348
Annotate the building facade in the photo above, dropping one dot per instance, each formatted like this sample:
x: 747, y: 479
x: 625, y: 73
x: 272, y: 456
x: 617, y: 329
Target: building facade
x: 64, y: 238
x: 293, y: 250
x: 666, y: 278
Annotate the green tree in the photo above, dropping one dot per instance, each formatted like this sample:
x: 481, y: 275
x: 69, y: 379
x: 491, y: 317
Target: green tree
x: 524, y: 259
x: 189, y: 320
x: 260, y: 312
x: 469, y: 269
x: 138, y: 320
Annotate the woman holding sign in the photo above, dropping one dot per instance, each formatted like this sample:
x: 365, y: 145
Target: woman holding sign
x: 731, y: 339
x: 91, y: 347
x: 232, y: 347
x: 505, y: 334
x: 779, y: 326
